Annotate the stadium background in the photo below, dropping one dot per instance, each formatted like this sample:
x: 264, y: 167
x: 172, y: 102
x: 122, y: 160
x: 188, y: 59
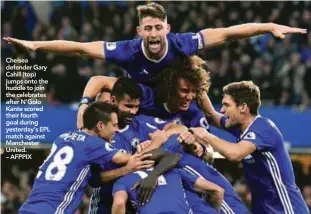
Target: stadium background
x: 280, y: 68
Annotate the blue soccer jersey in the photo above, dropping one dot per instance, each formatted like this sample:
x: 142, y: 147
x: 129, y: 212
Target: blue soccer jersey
x: 231, y: 204
x: 268, y: 170
x: 62, y: 178
x: 125, y: 140
x: 193, y: 117
x: 131, y: 56
x: 168, y: 197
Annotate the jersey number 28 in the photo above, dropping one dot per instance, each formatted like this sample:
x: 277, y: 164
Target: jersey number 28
x: 61, y: 159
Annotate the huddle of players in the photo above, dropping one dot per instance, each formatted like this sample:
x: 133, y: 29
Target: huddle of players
x: 151, y: 123
x: 98, y: 154
x: 90, y: 156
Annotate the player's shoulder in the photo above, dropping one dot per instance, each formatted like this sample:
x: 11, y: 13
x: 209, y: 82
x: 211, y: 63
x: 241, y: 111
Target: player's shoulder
x: 264, y: 123
x: 141, y: 118
x: 136, y: 45
x: 176, y: 36
x: 132, y: 45
x: 146, y: 121
x: 264, y: 126
x: 129, y: 178
x: 194, y: 108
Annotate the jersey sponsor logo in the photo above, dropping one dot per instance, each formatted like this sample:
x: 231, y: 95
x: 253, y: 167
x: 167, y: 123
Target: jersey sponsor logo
x: 135, y: 141
x: 109, y: 147
x: 111, y: 46
x: 159, y: 121
x: 250, y: 136
x: 249, y: 159
x: 204, y: 123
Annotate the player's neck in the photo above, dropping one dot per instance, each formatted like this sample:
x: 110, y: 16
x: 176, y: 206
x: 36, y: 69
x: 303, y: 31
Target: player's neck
x: 89, y: 132
x: 247, y: 122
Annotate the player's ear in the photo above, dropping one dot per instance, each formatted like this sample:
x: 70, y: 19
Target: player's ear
x: 243, y: 108
x: 168, y: 28
x: 113, y: 100
x: 100, y: 125
x: 138, y: 30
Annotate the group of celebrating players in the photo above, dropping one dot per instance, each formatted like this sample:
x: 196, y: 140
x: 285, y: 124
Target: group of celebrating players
x: 144, y: 145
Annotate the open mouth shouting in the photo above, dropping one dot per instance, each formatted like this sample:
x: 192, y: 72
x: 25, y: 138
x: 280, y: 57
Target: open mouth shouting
x: 154, y: 45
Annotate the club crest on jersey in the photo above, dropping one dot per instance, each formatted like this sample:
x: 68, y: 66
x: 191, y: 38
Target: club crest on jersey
x: 177, y: 121
x: 109, y: 147
x: 204, y: 123
x: 135, y: 141
x: 250, y: 136
x: 111, y: 45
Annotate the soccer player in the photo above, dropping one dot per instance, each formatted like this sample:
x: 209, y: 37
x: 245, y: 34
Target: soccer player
x: 125, y: 96
x: 142, y: 58
x: 173, y: 98
x: 260, y: 147
x: 169, y: 195
x: 62, y: 178
x: 231, y: 204
x: 137, y: 131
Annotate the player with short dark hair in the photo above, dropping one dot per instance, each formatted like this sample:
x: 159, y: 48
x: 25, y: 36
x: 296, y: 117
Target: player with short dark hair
x: 169, y: 195
x: 173, y: 99
x: 260, y: 147
x: 62, y: 178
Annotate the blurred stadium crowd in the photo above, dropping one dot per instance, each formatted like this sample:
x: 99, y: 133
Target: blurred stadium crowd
x: 282, y: 69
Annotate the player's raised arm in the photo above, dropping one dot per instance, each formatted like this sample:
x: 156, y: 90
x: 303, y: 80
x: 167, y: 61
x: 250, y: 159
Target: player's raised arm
x: 147, y: 185
x: 212, y: 116
x: 214, y: 194
x: 96, y: 83
x: 133, y: 163
x: 89, y: 49
x: 93, y: 87
x: 231, y: 151
x: 119, y: 202
x: 218, y: 36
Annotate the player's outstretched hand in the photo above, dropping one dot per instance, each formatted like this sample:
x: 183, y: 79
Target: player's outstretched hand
x: 215, y: 198
x: 186, y: 137
x: 80, y: 115
x: 145, y: 188
x: 280, y: 31
x: 29, y: 45
x: 137, y: 162
x: 140, y: 147
x: 199, y: 133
